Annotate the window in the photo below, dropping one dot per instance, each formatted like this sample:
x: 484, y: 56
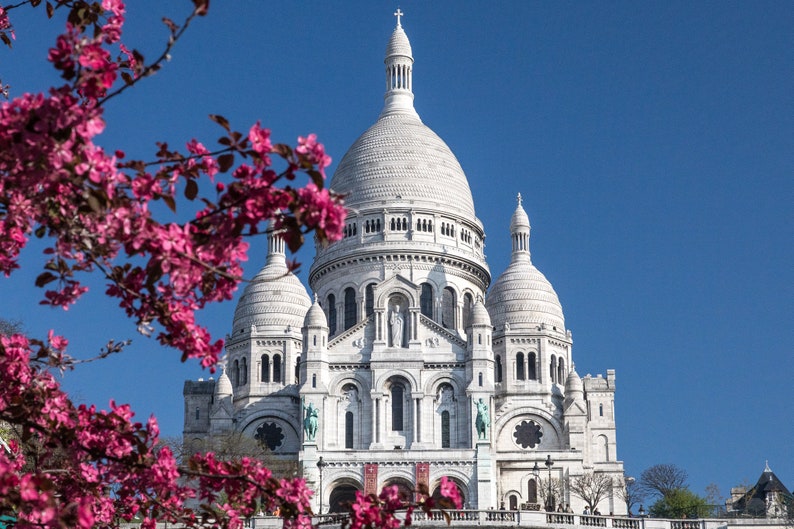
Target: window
x: 513, y: 502
x: 532, y: 493
x: 276, y: 368
x: 265, y: 368
x: 561, y: 371
x: 467, y: 305
x: 498, y: 369
x: 331, y: 314
x: 243, y: 372
x: 426, y: 300
x: 350, y: 307
x: 369, y: 300
x: 298, y: 370
x: 553, y: 369
x: 314, y: 381
x: 600, y: 410
x: 479, y: 379
x: 236, y: 374
x: 198, y: 414
x: 445, y: 435
x: 520, y: 367
x: 349, y: 429
x: 397, y: 394
x: 532, y: 371
x: 448, y: 308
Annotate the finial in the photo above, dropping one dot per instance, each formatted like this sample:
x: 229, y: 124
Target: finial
x: 767, y: 469
x: 315, y: 297
x: 519, y: 199
x: 398, y: 14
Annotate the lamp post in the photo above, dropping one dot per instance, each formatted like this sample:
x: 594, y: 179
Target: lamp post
x: 549, y: 500
x: 320, y: 466
x: 536, y: 473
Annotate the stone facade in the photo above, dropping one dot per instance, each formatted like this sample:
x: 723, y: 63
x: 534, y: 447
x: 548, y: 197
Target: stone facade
x: 405, y: 368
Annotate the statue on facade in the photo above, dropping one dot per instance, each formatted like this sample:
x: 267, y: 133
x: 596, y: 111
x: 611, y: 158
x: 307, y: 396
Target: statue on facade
x: 311, y: 420
x: 396, y: 322
x: 483, y: 421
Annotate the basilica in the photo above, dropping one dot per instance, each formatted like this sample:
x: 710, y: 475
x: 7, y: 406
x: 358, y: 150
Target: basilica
x: 407, y: 363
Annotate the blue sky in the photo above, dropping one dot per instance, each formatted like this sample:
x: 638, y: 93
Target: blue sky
x: 653, y: 143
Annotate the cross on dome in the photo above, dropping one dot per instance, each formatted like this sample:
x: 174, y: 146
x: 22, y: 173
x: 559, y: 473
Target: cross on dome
x: 399, y: 14
x: 519, y: 199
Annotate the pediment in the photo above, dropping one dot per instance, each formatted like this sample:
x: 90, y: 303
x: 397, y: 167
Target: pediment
x: 356, y: 339
x: 435, y: 336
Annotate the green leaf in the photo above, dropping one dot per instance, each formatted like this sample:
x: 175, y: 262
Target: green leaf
x: 225, y: 162
x: 220, y: 120
x: 191, y: 190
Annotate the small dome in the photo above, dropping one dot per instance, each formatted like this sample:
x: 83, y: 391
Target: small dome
x: 479, y: 315
x: 223, y: 386
x: 275, y: 297
x: 573, y: 384
x: 524, y: 298
x: 520, y: 218
x: 315, y: 317
x: 398, y: 44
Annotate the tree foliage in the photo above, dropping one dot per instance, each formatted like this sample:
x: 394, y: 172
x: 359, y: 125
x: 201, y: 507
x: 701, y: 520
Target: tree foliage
x: 591, y: 487
x: 80, y: 466
x: 680, y: 503
x: 662, y: 479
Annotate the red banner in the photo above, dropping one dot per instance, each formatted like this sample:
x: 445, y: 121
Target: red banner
x: 371, y: 478
x: 422, y: 479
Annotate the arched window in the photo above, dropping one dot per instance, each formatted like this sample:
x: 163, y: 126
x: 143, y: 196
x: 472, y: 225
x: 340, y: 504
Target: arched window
x: 369, y: 299
x: 265, y: 368
x: 448, y: 308
x: 392, y: 225
x: 276, y: 368
x: 600, y: 410
x: 243, y: 372
x: 397, y: 394
x: 298, y: 370
x: 426, y: 300
x: 314, y: 381
x: 532, y: 493
x: 561, y: 371
x: 553, y: 369
x: 532, y: 371
x: 349, y: 429
x: 236, y: 374
x: 520, y: 367
x: 198, y: 414
x: 445, y: 430
x: 350, y: 307
x: 331, y: 314
x: 467, y: 305
x: 479, y: 379
x: 498, y: 369
x: 513, y: 502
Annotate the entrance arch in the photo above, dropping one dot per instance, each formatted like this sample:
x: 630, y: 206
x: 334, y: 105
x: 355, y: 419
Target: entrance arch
x: 463, y: 499
x: 341, y: 497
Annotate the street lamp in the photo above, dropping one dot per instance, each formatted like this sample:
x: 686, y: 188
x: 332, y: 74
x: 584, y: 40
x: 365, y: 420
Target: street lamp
x: 549, y: 500
x: 320, y: 466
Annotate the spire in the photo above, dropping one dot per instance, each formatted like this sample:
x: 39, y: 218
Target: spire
x: 519, y: 231
x: 399, y: 97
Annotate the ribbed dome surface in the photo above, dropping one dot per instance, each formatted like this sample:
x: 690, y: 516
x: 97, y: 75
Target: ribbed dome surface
x: 401, y: 157
x: 315, y: 317
x: 524, y: 298
x: 273, y: 297
x: 398, y: 44
x: 479, y: 315
x: 223, y: 386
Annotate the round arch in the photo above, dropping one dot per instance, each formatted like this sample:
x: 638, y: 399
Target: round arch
x: 463, y: 490
x: 382, y: 383
x: 342, y: 494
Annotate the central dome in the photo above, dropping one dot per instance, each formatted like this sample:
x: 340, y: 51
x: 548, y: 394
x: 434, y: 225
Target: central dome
x: 400, y: 159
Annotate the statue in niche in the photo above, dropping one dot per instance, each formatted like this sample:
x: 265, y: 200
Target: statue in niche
x: 311, y: 420
x: 483, y: 421
x: 351, y: 395
x: 396, y: 322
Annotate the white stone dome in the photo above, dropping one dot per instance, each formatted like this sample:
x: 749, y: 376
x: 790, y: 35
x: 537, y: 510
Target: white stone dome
x: 315, y: 317
x: 479, y: 315
x: 399, y: 44
x: 275, y: 297
x: 223, y: 386
x: 400, y: 158
x: 522, y: 296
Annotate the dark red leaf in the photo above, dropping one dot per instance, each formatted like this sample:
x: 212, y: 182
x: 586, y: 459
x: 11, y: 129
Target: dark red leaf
x: 191, y: 190
x: 44, y: 278
x: 220, y: 120
x: 225, y: 162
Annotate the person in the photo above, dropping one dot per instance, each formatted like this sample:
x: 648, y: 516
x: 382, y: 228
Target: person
x: 559, y: 508
x: 568, y: 508
x: 586, y: 511
x: 396, y: 321
x: 596, y: 512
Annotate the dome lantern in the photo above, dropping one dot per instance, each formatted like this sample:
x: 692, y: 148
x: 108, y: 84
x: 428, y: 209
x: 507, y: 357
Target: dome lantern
x: 399, y: 61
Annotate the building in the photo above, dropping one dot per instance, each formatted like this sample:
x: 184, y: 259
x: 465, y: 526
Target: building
x: 405, y: 367
x: 768, y: 498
